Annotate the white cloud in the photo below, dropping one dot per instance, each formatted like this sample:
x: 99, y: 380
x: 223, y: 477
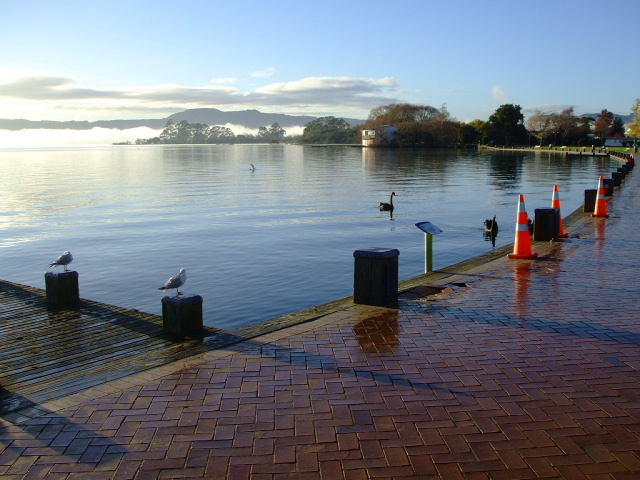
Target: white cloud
x: 224, y: 80
x: 45, y: 96
x: 267, y: 72
x: 498, y: 93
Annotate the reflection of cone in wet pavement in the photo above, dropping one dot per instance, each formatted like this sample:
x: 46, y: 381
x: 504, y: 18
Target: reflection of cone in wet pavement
x: 522, y: 245
x: 599, y: 236
x: 601, y: 202
x: 521, y: 280
x: 555, y: 203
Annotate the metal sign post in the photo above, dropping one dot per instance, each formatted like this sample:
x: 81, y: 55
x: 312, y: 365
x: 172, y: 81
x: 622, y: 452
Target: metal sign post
x: 430, y: 230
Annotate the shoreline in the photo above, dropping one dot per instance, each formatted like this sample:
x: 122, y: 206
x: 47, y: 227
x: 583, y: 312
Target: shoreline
x: 435, y: 280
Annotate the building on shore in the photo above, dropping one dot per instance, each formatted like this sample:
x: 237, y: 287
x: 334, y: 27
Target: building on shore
x: 382, y: 136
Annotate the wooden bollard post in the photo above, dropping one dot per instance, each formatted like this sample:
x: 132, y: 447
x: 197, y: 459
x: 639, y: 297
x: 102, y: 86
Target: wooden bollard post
x: 182, y: 315
x: 375, y: 278
x: 62, y: 287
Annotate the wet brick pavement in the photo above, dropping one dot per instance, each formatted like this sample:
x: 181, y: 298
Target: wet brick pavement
x: 516, y: 370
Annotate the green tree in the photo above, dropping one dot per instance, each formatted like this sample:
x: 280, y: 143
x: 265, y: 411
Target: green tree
x: 218, y: 134
x: 277, y: 133
x: 416, y: 125
x: 274, y: 134
x: 617, y: 127
x: 468, y: 134
x: 328, y: 130
x: 507, y: 125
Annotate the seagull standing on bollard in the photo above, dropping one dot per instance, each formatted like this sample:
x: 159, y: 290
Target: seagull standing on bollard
x: 176, y: 281
x: 65, y: 259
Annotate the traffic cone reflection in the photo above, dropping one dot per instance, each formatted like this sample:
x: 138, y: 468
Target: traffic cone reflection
x: 555, y: 203
x: 601, y: 202
x: 522, y: 245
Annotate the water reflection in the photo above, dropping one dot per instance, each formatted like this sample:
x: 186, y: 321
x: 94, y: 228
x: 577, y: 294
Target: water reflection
x: 506, y: 170
x: 378, y: 334
x: 521, y: 284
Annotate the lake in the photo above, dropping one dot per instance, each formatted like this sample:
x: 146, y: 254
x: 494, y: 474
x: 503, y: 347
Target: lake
x: 258, y: 244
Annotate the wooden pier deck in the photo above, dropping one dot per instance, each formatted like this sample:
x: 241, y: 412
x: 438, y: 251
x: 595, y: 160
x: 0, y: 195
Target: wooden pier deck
x: 47, y: 353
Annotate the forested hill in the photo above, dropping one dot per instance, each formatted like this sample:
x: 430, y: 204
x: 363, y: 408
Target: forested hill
x: 207, y: 116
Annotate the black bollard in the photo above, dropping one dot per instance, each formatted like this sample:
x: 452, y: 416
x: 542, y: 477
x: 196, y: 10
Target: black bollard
x: 62, y: 287
x: 590, y: 200
x: 608, y: 185
x: 546, y: 225
x: 617, y: 178
x: 375, y: 277
x: 182, y: 315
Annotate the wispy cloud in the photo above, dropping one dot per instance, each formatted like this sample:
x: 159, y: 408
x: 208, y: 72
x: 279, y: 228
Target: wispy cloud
x: 224, y: 80
x: 498, y: 93
x: 66, y: 96
x: 267, y: 72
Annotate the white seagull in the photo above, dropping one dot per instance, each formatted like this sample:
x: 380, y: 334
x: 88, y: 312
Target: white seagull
x: 176, y: 281
x: 65, y: 259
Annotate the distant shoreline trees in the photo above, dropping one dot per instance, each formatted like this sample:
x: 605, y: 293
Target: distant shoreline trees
x: 199, y: 133
x: 423, y: 126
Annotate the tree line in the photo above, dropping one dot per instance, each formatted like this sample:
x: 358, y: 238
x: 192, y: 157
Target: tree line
x: 199, y: 133
x: 426, y: 126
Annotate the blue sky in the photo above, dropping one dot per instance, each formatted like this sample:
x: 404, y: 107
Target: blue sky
x: 91, y: 60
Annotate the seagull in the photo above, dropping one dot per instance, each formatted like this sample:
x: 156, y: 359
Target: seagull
x: 64, y: 260
x: 253, y: 168
x: 176, y: 281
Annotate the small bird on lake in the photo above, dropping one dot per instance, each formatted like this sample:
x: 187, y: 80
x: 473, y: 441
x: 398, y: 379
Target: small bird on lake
x: 176, y: 281
x: 65, y: 259
x: 387, y: 207
x: 253, y: 168
x: 490, y: 225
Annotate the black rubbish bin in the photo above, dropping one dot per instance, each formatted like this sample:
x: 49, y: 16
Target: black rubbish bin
x: 375, y: 279
x: 546, y: 225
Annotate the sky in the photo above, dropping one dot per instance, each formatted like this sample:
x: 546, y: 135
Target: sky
x: 102, y: 60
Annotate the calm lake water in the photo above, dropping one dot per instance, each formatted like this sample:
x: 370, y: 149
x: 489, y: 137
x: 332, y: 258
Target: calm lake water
x: 258, y: 244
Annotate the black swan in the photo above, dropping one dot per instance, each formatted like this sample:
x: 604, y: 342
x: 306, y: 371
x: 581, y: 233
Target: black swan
x: 387, y: 207
x: 490, y: 225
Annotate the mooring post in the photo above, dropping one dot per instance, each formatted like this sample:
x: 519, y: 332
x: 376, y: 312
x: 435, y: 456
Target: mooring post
x: 428, y: 253
x: 182, y: 315
x: 429, y: 230
x: 62, y: 287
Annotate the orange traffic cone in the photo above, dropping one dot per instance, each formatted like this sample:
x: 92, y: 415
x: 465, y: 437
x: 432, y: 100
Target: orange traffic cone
x: 555, y: 203
x: 522, y: 245
x: 601, y: 202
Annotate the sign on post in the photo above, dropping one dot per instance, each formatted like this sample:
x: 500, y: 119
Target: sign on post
x: 429, y: 230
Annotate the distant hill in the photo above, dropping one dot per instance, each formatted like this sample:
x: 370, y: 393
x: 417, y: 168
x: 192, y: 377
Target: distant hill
x: 208, y: 116
x: 625, y: 118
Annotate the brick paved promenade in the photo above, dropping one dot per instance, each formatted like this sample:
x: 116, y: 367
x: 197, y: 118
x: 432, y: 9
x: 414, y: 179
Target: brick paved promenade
x: 516, y: 370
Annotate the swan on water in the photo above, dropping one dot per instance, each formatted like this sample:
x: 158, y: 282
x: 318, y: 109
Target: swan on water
x: 490, y: 225
x: 386, y: 207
